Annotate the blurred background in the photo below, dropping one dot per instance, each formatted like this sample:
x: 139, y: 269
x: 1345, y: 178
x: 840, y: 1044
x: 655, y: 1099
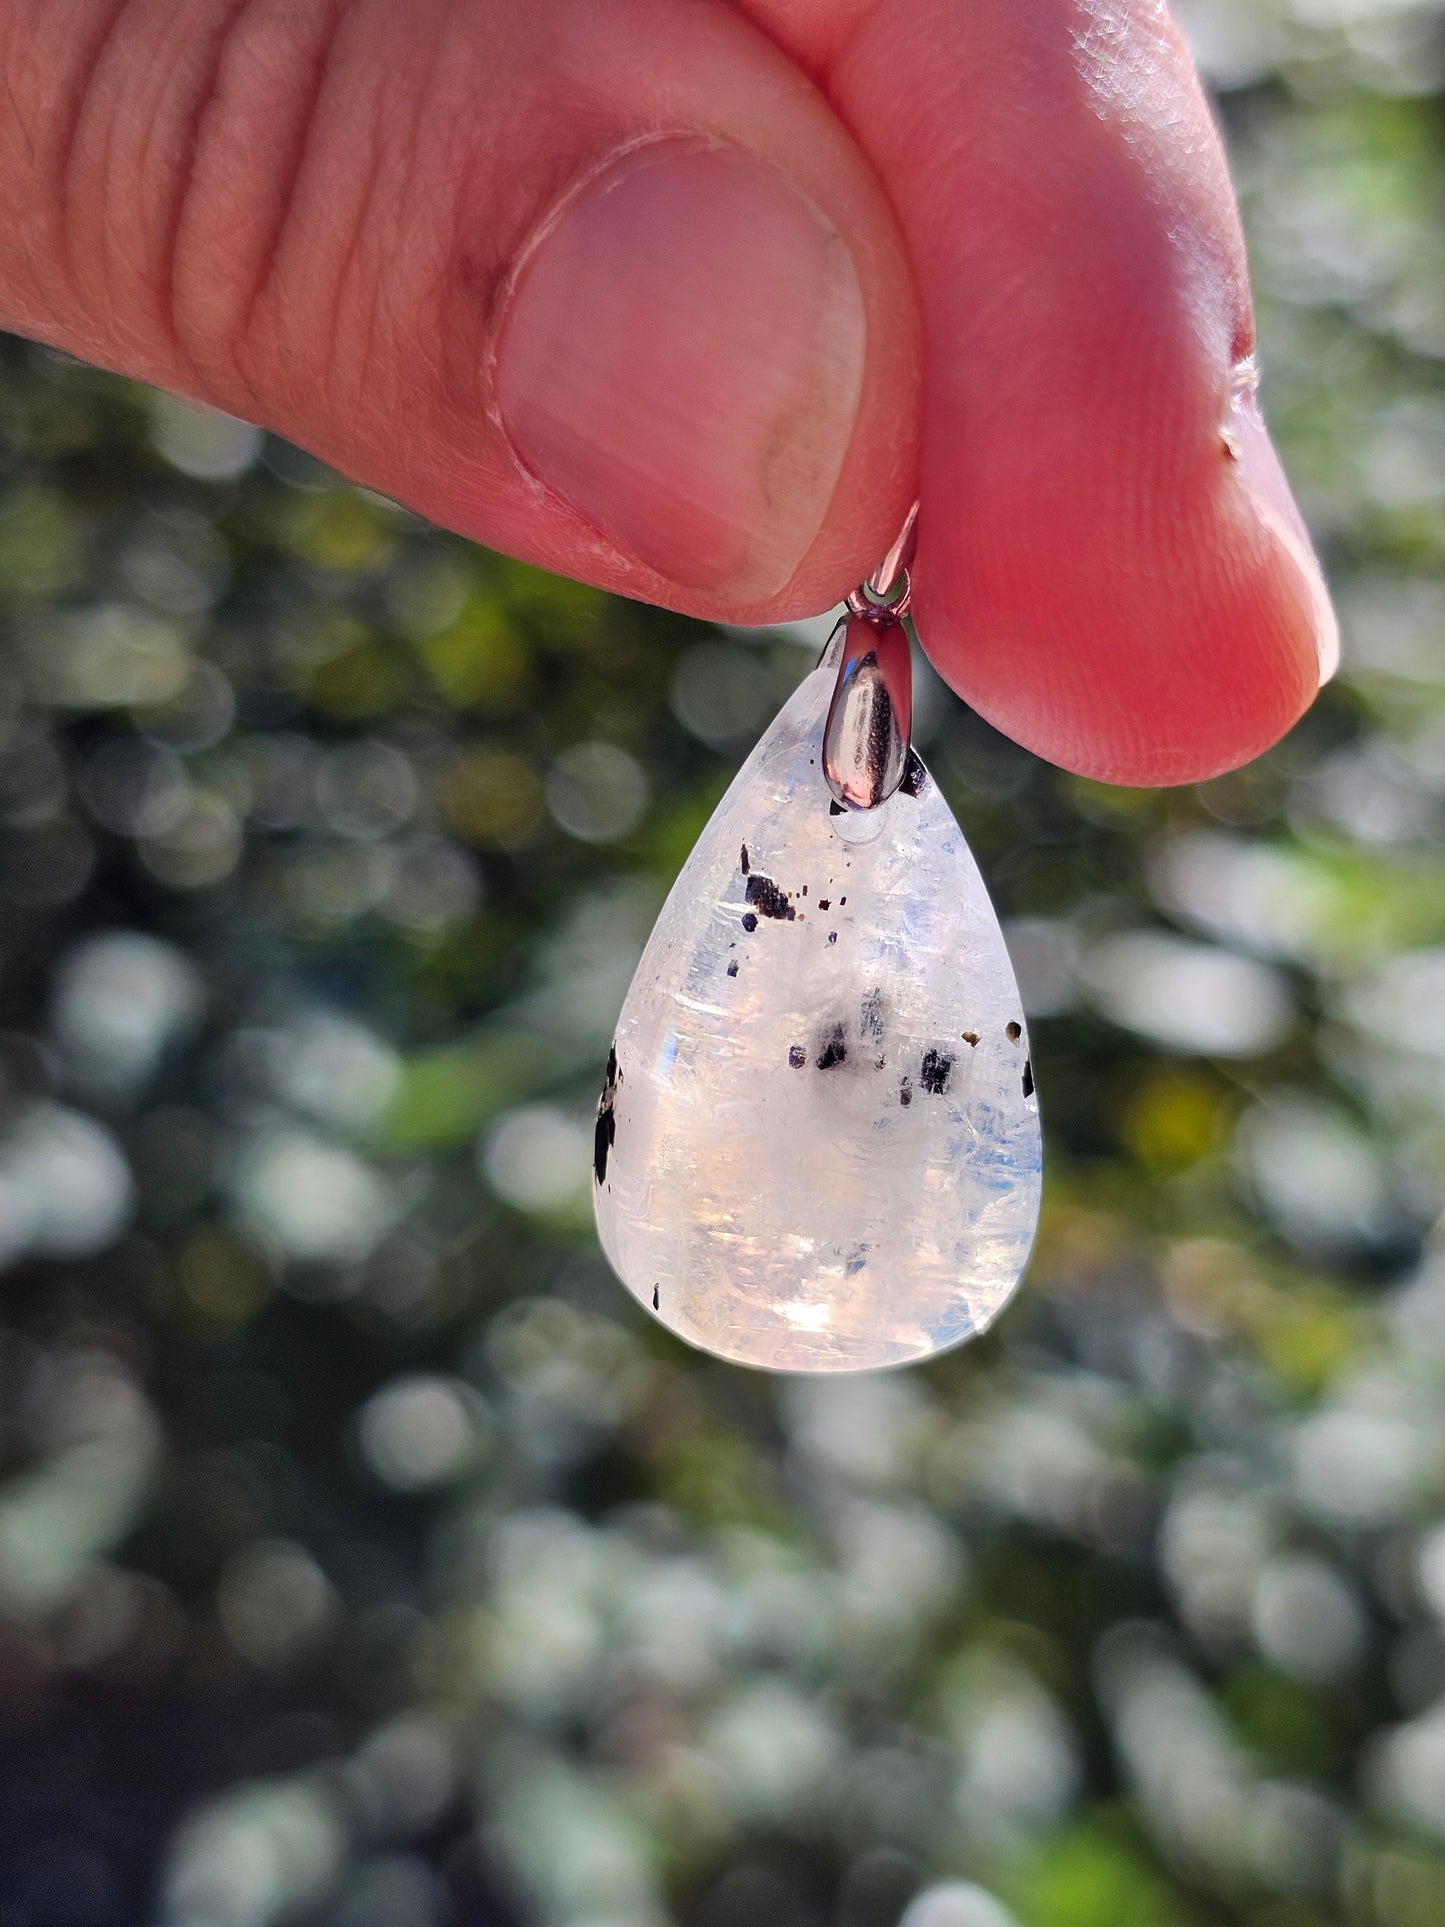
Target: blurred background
x: 366, y: 1559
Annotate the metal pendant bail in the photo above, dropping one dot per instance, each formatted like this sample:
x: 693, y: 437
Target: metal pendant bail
x: 885, y: 596
x: 868, y: 734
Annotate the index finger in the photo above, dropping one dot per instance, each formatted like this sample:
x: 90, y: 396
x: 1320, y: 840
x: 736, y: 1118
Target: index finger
x: 1111, y: 568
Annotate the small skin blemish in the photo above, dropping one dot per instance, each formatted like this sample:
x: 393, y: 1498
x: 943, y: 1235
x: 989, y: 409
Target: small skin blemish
x: 1028, y: 1077
x: 797, y: 1057
x: 1013, y: 1032
x: 750, y: 922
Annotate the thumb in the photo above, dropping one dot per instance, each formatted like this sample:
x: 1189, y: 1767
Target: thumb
x: 603, y: 283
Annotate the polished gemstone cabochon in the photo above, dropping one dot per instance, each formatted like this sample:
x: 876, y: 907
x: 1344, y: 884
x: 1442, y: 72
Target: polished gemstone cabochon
x: 818, y: 1145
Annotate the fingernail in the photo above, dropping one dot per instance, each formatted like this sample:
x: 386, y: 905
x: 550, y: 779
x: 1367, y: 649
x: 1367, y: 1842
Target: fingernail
x: 681, y: 360
x: 1262, y: 474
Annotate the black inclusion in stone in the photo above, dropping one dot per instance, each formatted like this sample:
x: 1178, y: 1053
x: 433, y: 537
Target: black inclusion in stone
x: 935, y: 1072
x: 750, y: 922
x: 835, y: 1048
x: 835, y: 809
x: 603, y: 1139
x: 797, y: 1057
x: 605, y: 1135
x: 768, y: 900
x: 1028, y: 1077
x: 744, y: 859
x: 905, y: 1093
x: 656, y: 1301
x: 733, y: 969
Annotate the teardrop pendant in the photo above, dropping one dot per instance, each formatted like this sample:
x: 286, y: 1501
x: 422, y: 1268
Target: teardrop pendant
x: 818, y: 1145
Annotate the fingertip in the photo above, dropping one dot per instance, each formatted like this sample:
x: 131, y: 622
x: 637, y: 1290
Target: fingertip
x: 1111, y: 567
x: 1261, y: 475
x: 1139, y: 603
x: 1146, y: 663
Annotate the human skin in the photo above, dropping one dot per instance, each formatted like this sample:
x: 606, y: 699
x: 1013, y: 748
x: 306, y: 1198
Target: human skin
x: 692, y: 298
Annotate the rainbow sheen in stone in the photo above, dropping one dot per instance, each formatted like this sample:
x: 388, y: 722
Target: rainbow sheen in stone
x: 818, y: 1145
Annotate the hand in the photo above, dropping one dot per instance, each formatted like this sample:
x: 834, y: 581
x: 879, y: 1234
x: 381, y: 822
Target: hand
x: 691, y: 299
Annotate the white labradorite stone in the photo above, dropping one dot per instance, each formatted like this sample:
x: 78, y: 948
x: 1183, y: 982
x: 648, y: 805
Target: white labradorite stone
x: 818, y: 1148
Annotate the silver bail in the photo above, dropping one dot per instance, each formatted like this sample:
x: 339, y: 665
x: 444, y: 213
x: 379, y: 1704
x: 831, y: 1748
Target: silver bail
x: 867, y: 736
x: 889, y: 578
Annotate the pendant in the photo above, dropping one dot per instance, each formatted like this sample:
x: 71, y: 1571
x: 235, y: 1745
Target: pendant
x: 818, y: 1143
